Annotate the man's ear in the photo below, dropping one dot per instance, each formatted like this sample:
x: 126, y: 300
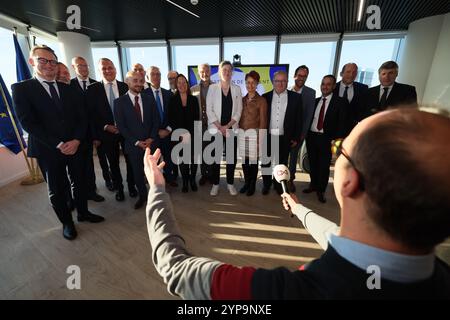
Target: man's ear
x: 31, y: 61
x: 350, y: 185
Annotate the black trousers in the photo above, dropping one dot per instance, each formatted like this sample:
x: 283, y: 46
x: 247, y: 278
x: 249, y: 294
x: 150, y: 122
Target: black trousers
x: 102, y: 159
x: 54, y: 169
x: 204, y: 167
x: 319, y: 154
x: 215, y: 167
x: 91, y: 187
x: 189, y: 168
x: 282, y: 154
x: 136, y: 160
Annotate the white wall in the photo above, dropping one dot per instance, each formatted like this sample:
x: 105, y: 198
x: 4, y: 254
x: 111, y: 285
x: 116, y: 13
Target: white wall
x: 12, y: 166
x: 74, y: 44
x: 425, y: 60
x: 438, y: 85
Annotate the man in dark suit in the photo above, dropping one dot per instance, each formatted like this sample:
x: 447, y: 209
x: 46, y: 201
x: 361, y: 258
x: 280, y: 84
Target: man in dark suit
x: 354, y: 92
x: 80, y: 84
x: 389, y: 93
x: 284, y: 114
x: 49, y: 111
x: 328, y: 123
x: 100, y: 100
x: 160, y: 98
x: 138, y: 122
x: 308, y: 101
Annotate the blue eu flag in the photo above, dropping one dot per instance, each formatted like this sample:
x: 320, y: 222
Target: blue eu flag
x: 22, y: 70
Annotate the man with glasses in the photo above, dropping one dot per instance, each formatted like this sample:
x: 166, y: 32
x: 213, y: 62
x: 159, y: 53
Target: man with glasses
x: 392, y: 186
x: 328, y: 123
x: 284, y: 114
x: 172, y: 78
x: 50, y: 112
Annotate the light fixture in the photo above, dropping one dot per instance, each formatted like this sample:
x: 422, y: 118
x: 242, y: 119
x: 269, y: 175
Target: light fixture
x: 360, y: 9
x: 184, y: 9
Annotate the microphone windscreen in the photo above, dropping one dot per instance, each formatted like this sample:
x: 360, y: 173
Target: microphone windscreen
x: 281, y: 173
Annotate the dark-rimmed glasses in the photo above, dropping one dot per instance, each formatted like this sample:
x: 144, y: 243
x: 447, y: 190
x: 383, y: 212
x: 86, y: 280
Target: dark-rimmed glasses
x: 337, y: 149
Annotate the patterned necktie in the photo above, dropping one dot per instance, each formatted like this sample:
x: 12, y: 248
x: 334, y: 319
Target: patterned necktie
x: 383, y: 100
x: 111, y: 96
x: 54, y: 95
x: 137, y: 108
x: 159, y: 105
x: 321, y: 115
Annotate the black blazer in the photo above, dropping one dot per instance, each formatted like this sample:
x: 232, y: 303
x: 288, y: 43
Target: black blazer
x: 98, y: 107
x: 46, y: 125
x: 293, y: 117
x: 335, y: 121
x: 183, y: 120
x: 76, y: 85
x: 400, y: 94
x: 167, y: 95
x: 130, y: 126
x: 356, y: 107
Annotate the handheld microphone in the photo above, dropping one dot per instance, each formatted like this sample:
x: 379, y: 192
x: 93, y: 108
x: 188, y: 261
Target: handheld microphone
x: 282, y: 175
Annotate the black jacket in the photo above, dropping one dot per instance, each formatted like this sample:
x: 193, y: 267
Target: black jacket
x: 335, y: 123
x: 46, y: 125
x: 183, y: 120
x: 167, y: 95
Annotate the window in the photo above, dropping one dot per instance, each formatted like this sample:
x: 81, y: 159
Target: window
x: 369, y: 55
x: 106, y: 52
x: 7, y: 58
x: 317, y: 56
x: 150, y: 56
x: 186, y: 55
x: 54, y: 44
x: 252, y: 51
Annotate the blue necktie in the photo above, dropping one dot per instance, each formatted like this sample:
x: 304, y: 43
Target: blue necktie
x: 111, y: 96
x: 159, y: 105
x: 54, y: 95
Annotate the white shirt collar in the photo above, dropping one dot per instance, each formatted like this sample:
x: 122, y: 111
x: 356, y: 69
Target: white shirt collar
x: 284, y: 93
x: 132, y: 96
x: 41, y: 80
x: 328, y: 97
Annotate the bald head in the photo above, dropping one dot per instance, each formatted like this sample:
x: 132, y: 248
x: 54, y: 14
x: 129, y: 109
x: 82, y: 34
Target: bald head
x: 139, y: 68
x: 402, y: 156
x: 81, y: 67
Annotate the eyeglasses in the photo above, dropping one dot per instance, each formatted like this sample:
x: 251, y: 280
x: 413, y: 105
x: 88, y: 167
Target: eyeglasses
x: 279, y: 81
x: 44, y: 61
x: 337, y: 149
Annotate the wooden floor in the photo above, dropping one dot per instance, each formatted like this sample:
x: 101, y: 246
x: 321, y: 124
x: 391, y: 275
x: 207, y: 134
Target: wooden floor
x: 115, y: 256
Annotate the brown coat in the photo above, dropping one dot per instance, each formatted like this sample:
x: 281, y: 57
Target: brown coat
x: 254, y: 113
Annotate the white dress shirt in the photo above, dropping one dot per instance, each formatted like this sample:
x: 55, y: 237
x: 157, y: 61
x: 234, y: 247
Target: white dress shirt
x: 46, y: 86
x: 160, y: 96
x: 299, y: 91
x: 278, y: 112
x: 132, y: 97
x: 317, y: 112
x: 115, y: 89
x: 80, y: 82
x: 382, y: 90
x: 350, y: 91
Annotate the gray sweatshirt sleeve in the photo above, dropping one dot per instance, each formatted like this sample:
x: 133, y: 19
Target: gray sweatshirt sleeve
x: 317, y: 226
x: 185, y: 275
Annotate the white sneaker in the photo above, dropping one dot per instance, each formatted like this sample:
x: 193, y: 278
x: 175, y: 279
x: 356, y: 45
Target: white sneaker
x: 232, y: 189
x: 214, y: 190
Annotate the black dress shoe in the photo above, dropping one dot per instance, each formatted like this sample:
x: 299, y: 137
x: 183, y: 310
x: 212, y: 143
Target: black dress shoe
x: 140, y: 203
x: 132, y: 192
x: 90, y: 217
x: 110, y: 186
x: 120, y: 196
x: 173, y: 184
x: 202, y: 180
x: 251, y: 188
x: 69, y: 231
x: 308, y: 190
x: 265, y: 190
x: 96, y: 198
x: 193, y: 184
x: 321, y: 197
x: 244, y: 188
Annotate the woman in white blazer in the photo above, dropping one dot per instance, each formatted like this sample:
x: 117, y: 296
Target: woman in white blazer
x: 224, y: 108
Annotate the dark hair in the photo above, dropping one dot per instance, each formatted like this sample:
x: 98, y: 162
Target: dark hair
x: 347, y: 64
x: 188, y: 91
x: 331, y: 77
x: 388, y: 65
x: 301, y: 67
x: 253, y: 74
x: 407, y: 177
x: 42, y: 47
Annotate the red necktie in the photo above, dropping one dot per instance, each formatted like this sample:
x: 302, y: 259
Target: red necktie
x: 137, y: 108
x: 321, y: 115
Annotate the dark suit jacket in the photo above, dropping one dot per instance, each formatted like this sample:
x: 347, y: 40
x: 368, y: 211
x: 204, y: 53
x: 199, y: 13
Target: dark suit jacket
x: 89, y: 117
x: 356, y: 107
x: 335, y: 121
x: 129, y: 124
x: 167, y: 95
x: 185, y: 120
x: 46, y: 125
x: 98, y: 106
x: 400, y: 94
x: 293, y: 117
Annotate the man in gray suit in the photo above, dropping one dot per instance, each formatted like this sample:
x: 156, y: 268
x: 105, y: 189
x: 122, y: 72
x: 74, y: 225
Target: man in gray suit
x: 138, y: 122
x: 308, y: 98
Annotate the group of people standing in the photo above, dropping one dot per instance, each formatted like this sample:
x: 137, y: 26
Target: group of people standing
x: 66, y: 118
